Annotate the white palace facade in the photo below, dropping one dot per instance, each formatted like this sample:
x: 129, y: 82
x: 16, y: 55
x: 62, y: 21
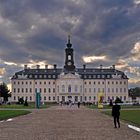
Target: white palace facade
x: 69, y: 83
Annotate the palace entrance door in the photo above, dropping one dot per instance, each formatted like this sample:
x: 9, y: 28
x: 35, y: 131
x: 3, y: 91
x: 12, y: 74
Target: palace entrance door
x: 69, y: 98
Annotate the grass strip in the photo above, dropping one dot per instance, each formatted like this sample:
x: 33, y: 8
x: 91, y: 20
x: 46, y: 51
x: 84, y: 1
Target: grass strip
x: 131, y: 116
x: 6, y: 114
x: 30, y: 106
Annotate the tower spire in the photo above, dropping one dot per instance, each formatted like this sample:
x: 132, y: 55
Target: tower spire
x: 68, y: 38
x: 69, y: 44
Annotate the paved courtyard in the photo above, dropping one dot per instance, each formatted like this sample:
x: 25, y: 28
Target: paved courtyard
x: 65, y: 123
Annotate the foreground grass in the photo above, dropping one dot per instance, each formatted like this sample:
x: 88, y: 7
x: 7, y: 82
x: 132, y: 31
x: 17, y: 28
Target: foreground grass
x: 110, y: 107
x: 131, y: 116
x: 6, y: 114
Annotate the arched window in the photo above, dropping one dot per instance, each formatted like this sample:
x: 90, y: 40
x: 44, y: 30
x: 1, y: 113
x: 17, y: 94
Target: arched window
x: 76, y: 88
x: 63, y: 88
x: 69, y: 88
x: 69, y: 57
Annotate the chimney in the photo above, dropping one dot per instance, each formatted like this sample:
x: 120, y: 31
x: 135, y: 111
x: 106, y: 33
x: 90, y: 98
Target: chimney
x: 46, y: 66
x: 84, y: 66
x: 101, y: 66
x: 25, y: 67
x: 54, y: 66
x: 113, y: 66
x: 37, y: 66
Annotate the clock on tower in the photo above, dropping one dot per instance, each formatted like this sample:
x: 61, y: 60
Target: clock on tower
x: 69, y: 61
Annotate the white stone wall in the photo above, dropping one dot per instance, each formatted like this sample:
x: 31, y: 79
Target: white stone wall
x: 51, y: 90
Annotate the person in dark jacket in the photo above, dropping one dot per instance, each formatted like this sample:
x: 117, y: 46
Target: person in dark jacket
x: 116, y: 114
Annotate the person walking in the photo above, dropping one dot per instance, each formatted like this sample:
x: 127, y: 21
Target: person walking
x: 116, y: 114
x: 78, y: 104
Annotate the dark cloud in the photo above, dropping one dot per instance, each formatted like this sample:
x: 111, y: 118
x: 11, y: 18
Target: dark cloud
x: 38, y: 29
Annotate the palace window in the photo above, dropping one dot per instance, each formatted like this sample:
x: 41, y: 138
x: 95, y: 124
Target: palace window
x: 124, y: 90
x: 85, y: 98
x: 53, y: 98
x: 30, y: 98
x: 120, y: 90
x: 44, y: 90
x: 30, y: 90
x: 49, y: 90
x: 80, y: 88
x: 89, y: 90
x: 49, y: 98
x: 108, y: 90
x: 26, y: 90
x: 116, y: 90
x: 85, y: 90
x: 35, y: 89
x: 44, y: 98
x: 14, y: 89
x: 53, y: 90
x: 63, y: 88
x: 69, y: 88
x: 14, y: 97
x: 124, y: 98
x: 18, y: 90
x: 89, y: 98
x: 112, y: 90
x: 76, y: 88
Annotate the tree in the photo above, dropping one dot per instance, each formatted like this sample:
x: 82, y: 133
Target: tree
x: 4, y: 92
x: 118, y: 100
x: 134, y: 92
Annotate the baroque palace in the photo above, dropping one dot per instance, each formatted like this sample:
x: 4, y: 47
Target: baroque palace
x: 69, y: 83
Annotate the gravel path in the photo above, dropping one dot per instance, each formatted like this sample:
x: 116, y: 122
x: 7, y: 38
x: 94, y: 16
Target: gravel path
x: 65, y: 123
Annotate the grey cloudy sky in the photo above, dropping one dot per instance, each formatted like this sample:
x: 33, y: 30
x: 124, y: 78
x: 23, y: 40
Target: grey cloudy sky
x: 102, y: 32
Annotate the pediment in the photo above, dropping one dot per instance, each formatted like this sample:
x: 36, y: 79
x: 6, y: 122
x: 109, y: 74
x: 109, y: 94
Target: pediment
x: 69, y: 76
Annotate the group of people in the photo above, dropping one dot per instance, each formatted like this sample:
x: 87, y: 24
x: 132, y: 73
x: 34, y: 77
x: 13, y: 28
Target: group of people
x: 70, y: 103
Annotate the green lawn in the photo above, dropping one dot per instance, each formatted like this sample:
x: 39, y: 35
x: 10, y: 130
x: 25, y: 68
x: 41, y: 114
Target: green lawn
x: 131, y: 116
x: 6, y: 114
x: 110, y: 107
x: 30, y: 106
